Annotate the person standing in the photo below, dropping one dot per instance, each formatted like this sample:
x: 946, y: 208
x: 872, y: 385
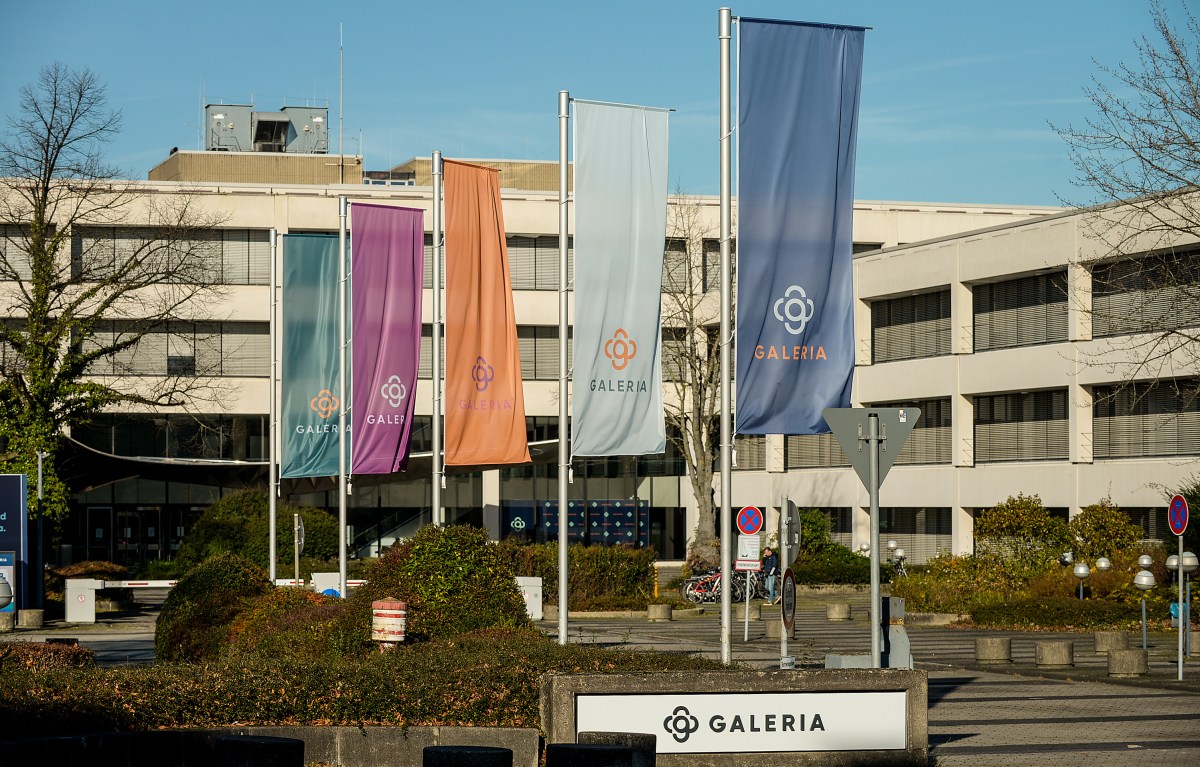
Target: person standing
x: 770, y: 570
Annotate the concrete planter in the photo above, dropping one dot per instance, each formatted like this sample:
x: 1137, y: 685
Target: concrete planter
x: 837, y: 611
x: 29, y: 619
x: 775, y: 630
x: 6, y: 622
x: 1127, y: 663
x: 993, y: 650
x: 659, y: 612
x: 1111, y: 640
x: 1054, y: 653
x: 755, y: 609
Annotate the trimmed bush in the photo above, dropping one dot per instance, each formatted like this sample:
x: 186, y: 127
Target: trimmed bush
x: 287, y: 623
x: 30, y: 656
x: 196, y: 616
x: 1102, y: 530
x: 453, y: 579
x: 487, y: 678
x: 1057, y: 613
x: 833, y: 564
x: 239, y: 524
x: 1023, y: 535
x: 595, y: 572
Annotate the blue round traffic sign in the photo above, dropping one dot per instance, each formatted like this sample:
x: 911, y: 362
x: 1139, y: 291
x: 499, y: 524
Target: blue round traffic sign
x: 750, y: 520
x: 1177, y: 515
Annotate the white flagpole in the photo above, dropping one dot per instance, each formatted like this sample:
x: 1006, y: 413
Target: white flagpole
x: 438, y: 476
x: 272, y: 427
x: 343, y: 204
x: 725, y: 23
x: 564, y: 453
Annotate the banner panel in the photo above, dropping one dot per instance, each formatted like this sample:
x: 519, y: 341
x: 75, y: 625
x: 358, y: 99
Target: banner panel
x: 485, y: 403
x: 309, y: 404
x: 387, y: 265
x: 798, y: 89
x: 620, y: 228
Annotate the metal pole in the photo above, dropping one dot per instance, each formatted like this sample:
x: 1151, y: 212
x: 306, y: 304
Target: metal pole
x: 1179, y: 582
x: 873, y: 445
x: 39, y: 574
x: 746, y: 611
x: 296, y: 547
x: 1143, y: 623
x: 785, y: 532
x: 343, y: 205
x: 725, y: 24
x: 564, y: 453
x: 272, y: 504
x: 1188, y: 614
x: 438, y: 248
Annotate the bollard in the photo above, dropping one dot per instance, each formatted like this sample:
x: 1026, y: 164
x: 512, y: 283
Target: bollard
x: 6, y: 621
x: 659, y: 612
x: 29, y: 619
x: 1054, y: 654
x: 1127, y: 663
x: 466, y: 756
x: 755, y: 611
x: 838, y: 611
x: 644, y: 744
x: 588, y: 755
x: 257, y: 751
x: 991, y: 650
x: 1111, y: 640
x: 775, y: 630
x: 388, y: 622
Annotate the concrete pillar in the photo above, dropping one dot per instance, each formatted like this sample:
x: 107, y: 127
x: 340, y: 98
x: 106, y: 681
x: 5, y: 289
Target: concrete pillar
x: 491, y: 503
x: 1126, y: 663
x: 1079, y: 415
x: 1079, y: 302
x: 1054, y: 653
x: 962, y: 530
x: 962, y: 430
x: 993, y: 650
x: 962, y: 318
x: 1107, y: 641
x: 837, y: 611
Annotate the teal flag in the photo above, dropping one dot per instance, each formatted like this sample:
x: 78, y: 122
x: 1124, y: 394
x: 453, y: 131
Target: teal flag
x: 309, y: 405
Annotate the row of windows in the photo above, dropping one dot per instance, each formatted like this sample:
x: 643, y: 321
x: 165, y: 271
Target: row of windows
x: 183, y: 349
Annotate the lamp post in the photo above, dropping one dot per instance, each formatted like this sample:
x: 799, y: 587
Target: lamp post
x: 1145, y: 581
x: 900, y: 562
x: 6, y: 592
x: 1066, y: 559
x: 1103, y: 564
x: 1081, y: 571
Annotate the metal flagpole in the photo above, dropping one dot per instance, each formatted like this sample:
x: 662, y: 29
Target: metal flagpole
x: 438, y: 477
x: 272, y: 427
x: 343, y: 204
x: 725, y: 24
x: 564, y: 453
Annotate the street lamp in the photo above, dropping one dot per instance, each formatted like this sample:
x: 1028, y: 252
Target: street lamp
x: 1188, y: 564
x: 1081, y: 571
x: 1103, y: 564
x: 1145, y: 581
x: 864, y: 548
x: 900, y: 562
x: 1066, y: 559
x: 1145, y: 561
x: 6, y: 592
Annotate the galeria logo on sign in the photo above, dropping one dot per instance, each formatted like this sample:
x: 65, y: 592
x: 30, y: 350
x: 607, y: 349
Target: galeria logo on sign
x: 393, y: 392
x: 620, y: 349
x: 794, y: 310
x: 681, y: 723
x: 482, y: 374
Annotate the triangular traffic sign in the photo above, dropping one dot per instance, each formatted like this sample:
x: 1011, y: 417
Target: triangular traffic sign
x: 851, y: 427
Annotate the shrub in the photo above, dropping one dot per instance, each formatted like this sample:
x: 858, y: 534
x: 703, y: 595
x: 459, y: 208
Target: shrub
x: 1191, y: 494
x: 195, y: 618
x: 1023, y: 535
x: 239, y: 524
x: 32, y: 656
x: 949, y: 584
x: 1103, y: 530
x: 594, y: 572
x: 488, y: 678
x: 453, y: 579
x: 833, y: 564
x: 105, y: 571
x: 1061, y: 613
x: 287, y: 623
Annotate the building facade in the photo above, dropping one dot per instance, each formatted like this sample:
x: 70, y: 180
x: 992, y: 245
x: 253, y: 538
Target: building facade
x: 976, y: 314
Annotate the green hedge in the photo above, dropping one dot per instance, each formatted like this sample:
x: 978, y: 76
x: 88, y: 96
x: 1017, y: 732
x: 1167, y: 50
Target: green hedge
x: 597, y: 575
x: 482, y: 679
x: 29, y: 656
x: 1058, y: 613
x: 832, y: 564
x: 195, y: 618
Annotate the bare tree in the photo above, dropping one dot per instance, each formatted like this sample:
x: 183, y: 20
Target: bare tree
x: 1139, y: 154
x: 691, y: 360
x: 89, y: 267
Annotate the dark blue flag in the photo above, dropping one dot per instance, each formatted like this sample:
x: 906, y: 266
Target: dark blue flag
x: 798, y: 87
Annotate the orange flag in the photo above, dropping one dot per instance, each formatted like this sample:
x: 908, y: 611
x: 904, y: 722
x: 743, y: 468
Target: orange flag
x: 485, y: 404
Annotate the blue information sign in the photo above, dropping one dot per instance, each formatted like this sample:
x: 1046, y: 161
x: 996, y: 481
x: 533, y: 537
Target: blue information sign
x: 14, y: 536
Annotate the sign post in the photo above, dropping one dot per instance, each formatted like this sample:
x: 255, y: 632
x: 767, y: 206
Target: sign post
x: 749, y: 523
x: 853, y: 428
x: 1177, y: 516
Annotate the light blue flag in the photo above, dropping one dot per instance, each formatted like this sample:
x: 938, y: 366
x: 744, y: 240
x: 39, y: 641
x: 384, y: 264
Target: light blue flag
x: 620, y: 231
x: 309, y: 404
x: 798, y: 87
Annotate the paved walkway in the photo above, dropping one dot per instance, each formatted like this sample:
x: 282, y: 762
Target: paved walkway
x: 979, y: 716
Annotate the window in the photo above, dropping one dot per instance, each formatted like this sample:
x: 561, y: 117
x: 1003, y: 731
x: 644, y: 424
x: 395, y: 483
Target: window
x: 175, y: 348
x: 217, y: 437
x: 215, y: 256
x: 1151, y: 292
x: 1022, y: 312
x: 923, y: 533
x: 14, y: 253
x: 929, y: 441
x: 910, y: 327
x: 1029, y: 426
x: 533, y: 262
x: 539, y: 352
x: 677, y: 267
x: 750, y: 451
x: 1147, y: 418
x: 712, y: 263
x: 813, y: 451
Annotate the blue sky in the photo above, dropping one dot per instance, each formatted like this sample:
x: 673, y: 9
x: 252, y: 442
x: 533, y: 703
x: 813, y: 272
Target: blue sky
x: 956, y: 103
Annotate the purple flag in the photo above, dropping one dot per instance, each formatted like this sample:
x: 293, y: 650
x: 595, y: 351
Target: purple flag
x: 387, y: 263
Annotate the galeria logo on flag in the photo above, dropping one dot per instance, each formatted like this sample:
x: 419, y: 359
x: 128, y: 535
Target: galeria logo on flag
x: 482, y: 374
x: 393, y: 391
x: 325, y: 404
x: 620, y: 349
x: 794, y: 310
